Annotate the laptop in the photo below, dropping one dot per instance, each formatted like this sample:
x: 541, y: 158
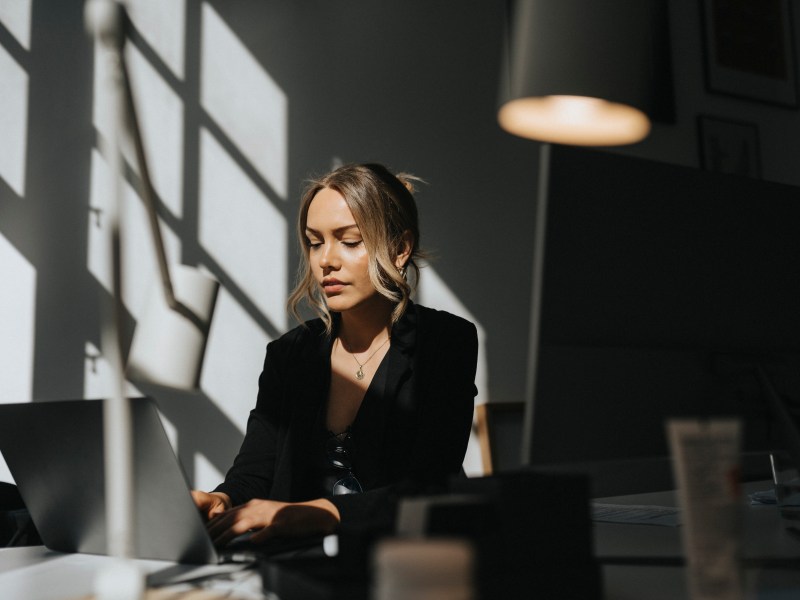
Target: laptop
x: 54, y: 451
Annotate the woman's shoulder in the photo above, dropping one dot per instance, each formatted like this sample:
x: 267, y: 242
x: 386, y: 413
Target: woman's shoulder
x: 440, y: 320
x: 442, y: 336
x: 308, y: 334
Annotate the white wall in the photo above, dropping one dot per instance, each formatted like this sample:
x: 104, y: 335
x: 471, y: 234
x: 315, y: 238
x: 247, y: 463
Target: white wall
x: 240, y: 101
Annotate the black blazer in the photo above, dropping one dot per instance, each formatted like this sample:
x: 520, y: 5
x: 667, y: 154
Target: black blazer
x: 411, y: 438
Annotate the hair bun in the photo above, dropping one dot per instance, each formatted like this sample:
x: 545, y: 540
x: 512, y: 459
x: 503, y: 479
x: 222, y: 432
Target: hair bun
x: 407, y: 179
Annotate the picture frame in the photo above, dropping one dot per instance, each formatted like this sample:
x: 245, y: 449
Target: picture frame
x: 749, y: 50
x: 729, y: 146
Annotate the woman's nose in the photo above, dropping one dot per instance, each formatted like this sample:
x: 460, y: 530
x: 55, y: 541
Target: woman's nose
x: 328, y: 258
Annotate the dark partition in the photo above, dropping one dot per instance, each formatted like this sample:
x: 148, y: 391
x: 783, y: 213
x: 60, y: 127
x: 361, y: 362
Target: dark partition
x: 663, y: 286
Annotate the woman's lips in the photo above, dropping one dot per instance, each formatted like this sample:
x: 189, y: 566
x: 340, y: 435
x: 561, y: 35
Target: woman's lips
x: 332, y: 286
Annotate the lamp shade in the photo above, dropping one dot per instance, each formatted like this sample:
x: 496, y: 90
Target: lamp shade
x: 583, y: 72
x: 168, y: 345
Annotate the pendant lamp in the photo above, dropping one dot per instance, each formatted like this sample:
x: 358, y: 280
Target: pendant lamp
x: 584, y: 72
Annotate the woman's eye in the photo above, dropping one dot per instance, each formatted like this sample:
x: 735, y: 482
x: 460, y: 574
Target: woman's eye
x: 312, y: 244
x: 353, y: 244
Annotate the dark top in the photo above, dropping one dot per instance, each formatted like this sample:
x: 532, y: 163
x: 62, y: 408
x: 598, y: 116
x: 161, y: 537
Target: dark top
x: 412, y: 435
x: 375, y: 393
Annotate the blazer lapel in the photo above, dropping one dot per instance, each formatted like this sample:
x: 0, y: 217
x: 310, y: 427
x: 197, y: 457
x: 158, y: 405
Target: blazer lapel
x: 311, y: 382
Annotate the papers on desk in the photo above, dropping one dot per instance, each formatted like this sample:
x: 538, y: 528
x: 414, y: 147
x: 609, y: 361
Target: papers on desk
x: 763, y: 497
x: 636, y: 514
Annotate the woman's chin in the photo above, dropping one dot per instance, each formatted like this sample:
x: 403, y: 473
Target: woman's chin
x: 338, y: 304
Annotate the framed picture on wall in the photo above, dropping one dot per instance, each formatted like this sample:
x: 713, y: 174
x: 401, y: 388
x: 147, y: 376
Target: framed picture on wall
x: 749, y: 50
x: 729, y: 146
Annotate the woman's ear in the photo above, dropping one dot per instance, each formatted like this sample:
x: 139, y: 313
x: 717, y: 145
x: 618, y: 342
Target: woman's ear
x: 406, y: 245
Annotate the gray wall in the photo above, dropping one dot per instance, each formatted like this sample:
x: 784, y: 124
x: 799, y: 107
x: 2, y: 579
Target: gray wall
x: 410, y: 84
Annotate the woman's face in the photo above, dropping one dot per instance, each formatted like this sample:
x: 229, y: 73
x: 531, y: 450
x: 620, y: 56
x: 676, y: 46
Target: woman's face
x: 337, y: 254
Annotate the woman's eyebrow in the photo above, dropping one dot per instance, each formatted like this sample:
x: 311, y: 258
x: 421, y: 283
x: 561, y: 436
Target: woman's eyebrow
x: 337, y: 231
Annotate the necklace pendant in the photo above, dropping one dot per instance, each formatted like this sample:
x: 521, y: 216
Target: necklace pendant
x: 359, y: 374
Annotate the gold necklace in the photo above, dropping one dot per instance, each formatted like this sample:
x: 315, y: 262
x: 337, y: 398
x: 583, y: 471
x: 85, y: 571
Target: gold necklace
x: 360, y: 372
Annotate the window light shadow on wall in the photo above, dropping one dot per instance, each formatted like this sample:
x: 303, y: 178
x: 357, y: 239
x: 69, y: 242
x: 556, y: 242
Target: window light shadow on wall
x: 233, y: 360
x: 160, y: 112
x: 139, y: 260
x: 17, y: 314
x: 161, y: 115
x: 243, y: 171
x: 233, y: 138
x: 18, y: 300
x: 16, y: 17
x: 17, y: 323
x: 13, y: 121
x: 163, y: 25
x: 244, y: 101
x: 243, y: 231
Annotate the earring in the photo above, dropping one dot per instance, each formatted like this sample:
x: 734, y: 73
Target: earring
x: 402, y: 271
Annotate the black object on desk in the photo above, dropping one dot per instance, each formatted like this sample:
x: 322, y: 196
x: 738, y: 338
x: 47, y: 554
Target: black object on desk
x: 306, y: 576
x: 314, y: 578
x: 536, y: 539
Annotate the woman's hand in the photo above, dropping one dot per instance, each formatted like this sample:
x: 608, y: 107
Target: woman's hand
x: 211, y: 504
x: 271, y: 518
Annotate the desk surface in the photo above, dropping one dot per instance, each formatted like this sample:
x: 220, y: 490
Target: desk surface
x: 36, y: 573
x: 764, y: 533
x: 766, y: 549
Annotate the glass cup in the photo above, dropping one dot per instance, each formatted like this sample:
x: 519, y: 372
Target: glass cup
x: 786, y: 478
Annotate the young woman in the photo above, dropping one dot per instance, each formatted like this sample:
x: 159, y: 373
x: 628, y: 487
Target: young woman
x: 369, y: 402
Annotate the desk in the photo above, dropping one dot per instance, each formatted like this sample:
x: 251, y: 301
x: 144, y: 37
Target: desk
x: 36, y: 573
x: 771, y: 556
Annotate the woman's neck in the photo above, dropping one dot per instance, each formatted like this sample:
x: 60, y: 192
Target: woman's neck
x: 360, y: 327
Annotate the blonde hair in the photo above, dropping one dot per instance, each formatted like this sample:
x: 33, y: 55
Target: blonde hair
x: 384, y: 209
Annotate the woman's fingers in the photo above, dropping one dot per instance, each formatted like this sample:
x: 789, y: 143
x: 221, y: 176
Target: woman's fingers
x: 210, y: 504
x: 271, y: 518
x: 201, y: 499
x: 296, y: 520
x: 226, y: 526
x: 256, y: 514
x: 205, y: 502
